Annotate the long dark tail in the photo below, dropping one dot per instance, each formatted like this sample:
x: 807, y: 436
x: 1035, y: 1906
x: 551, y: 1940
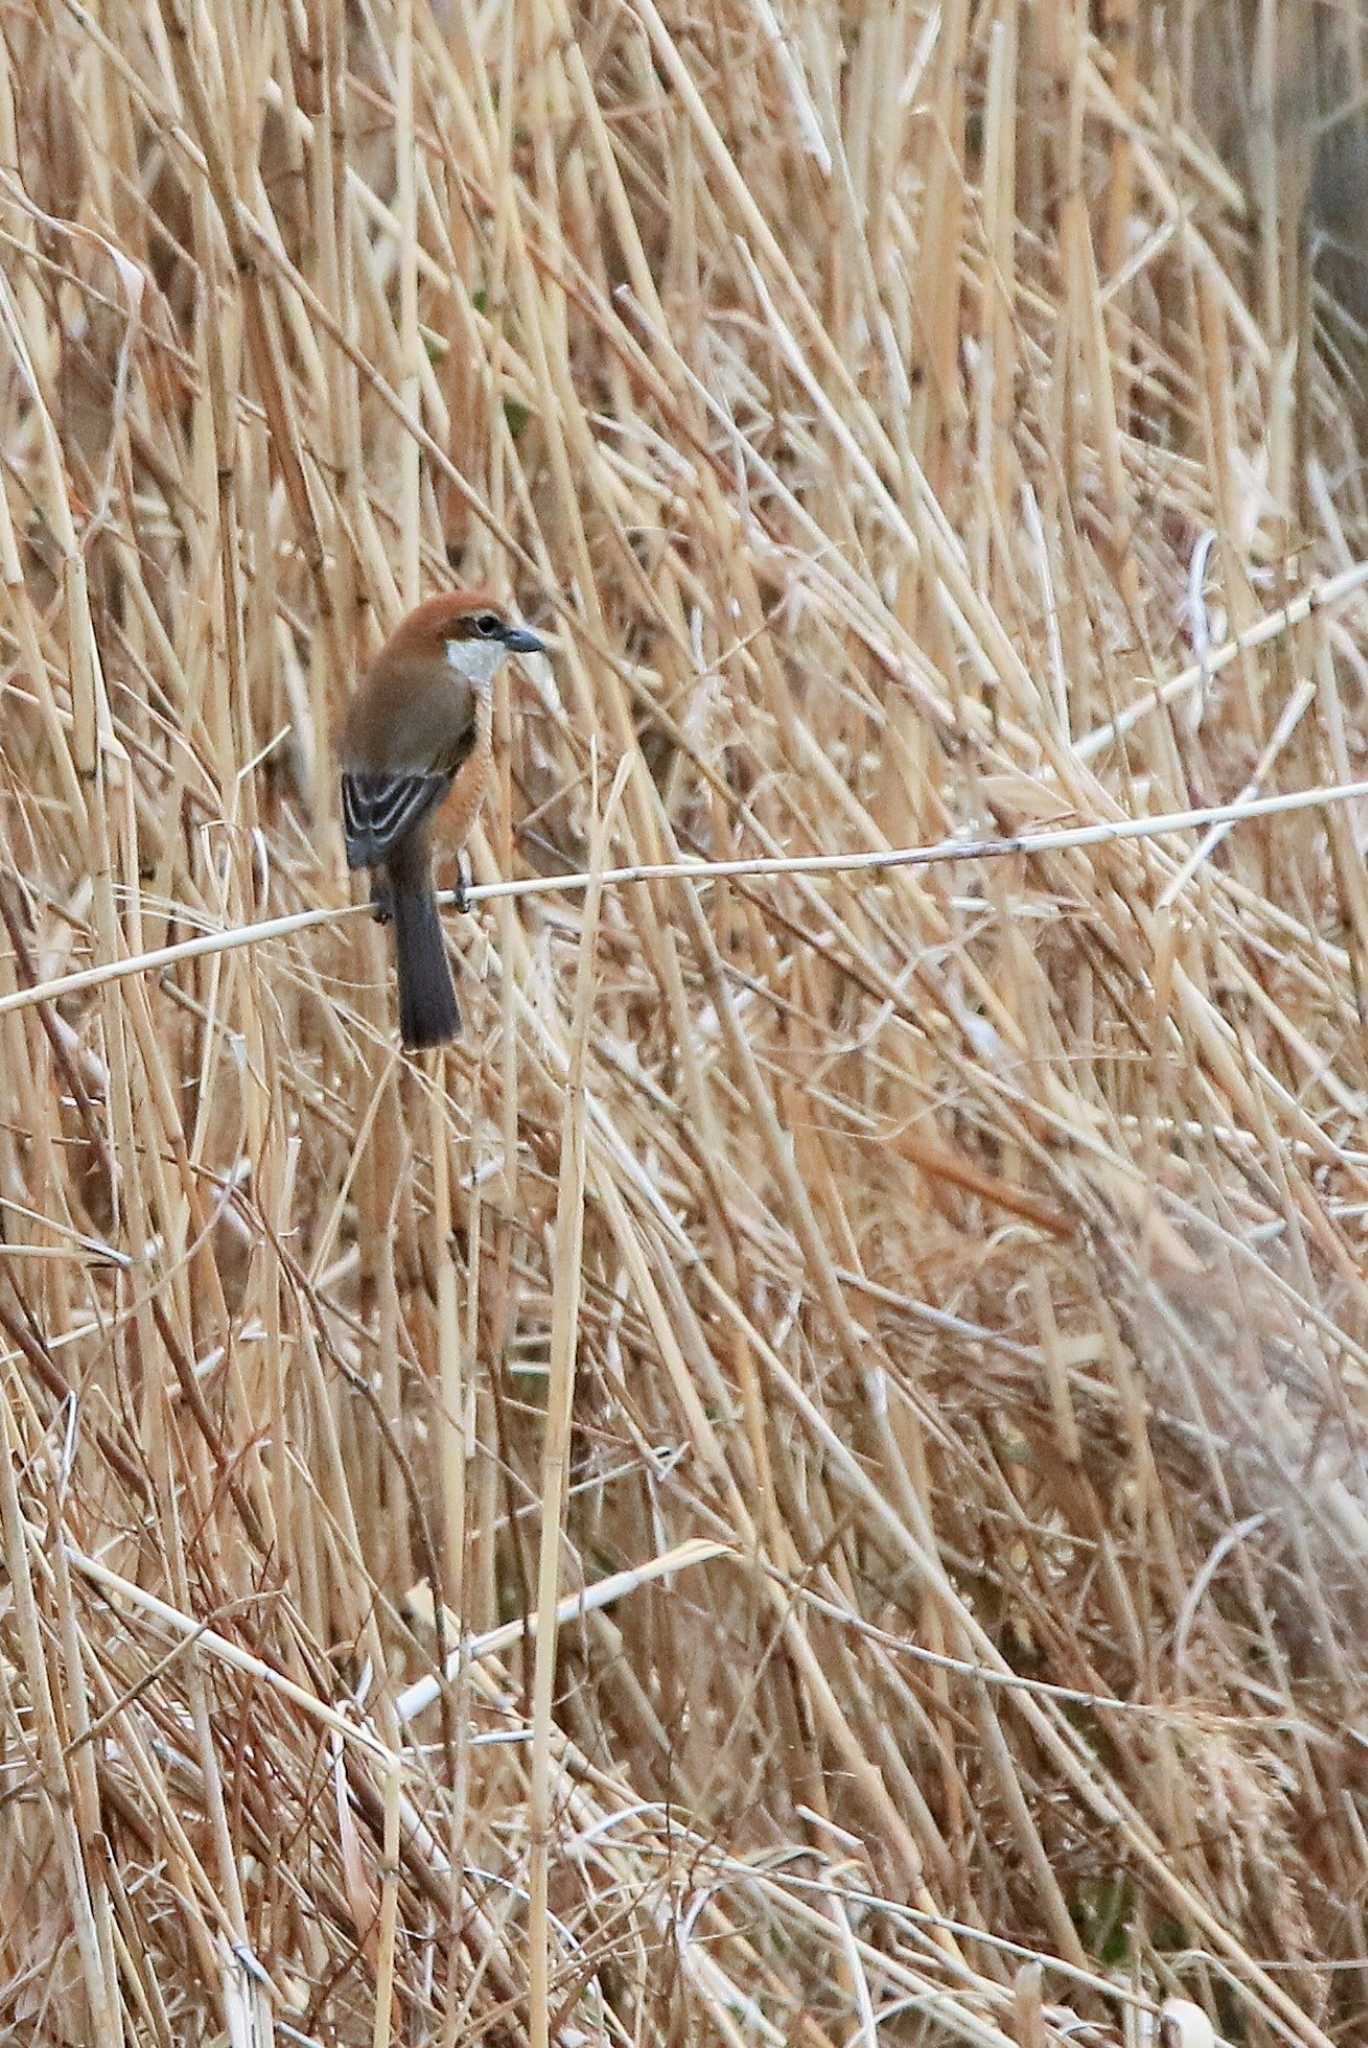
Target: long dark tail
x: 428, y: 1010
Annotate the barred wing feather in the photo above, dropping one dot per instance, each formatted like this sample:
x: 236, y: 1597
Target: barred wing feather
x: 378, y: 810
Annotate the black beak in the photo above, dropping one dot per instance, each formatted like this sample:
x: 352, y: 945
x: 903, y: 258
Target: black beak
x: 518, y: 640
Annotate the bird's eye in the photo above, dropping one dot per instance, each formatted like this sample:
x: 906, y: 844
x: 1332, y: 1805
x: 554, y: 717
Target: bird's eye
x: 489, y: 625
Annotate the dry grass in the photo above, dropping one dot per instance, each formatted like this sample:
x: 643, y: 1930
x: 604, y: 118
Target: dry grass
x: 909, y: 1321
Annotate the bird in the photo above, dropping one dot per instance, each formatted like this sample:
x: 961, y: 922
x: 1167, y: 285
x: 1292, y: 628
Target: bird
x: 418, y: 736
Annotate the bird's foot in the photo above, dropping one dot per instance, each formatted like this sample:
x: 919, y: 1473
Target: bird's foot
x: 461, y: 888
x: 380, y: 900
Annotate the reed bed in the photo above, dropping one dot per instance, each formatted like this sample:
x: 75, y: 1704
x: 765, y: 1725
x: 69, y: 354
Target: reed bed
x: 805, y: 1482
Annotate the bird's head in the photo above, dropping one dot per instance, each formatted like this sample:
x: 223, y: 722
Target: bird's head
x: 469, y: 631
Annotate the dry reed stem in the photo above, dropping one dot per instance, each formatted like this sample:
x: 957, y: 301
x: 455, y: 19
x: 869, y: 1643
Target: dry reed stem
x: 805, y: 1480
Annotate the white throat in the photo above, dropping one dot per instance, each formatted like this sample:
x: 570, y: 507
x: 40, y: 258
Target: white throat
x: 478, y: 661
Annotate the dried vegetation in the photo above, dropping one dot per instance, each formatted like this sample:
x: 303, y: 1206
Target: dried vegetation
x: 912, y: 1321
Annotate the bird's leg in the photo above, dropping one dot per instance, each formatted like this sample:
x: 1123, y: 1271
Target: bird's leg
x: 380, y: 897
x: 461, y: 888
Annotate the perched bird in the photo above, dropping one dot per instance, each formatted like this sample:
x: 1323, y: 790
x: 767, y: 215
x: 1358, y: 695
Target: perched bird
x: 417, y: 731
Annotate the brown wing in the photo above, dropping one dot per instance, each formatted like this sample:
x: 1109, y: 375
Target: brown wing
x: 401, y: 752
x: 459, y: 752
